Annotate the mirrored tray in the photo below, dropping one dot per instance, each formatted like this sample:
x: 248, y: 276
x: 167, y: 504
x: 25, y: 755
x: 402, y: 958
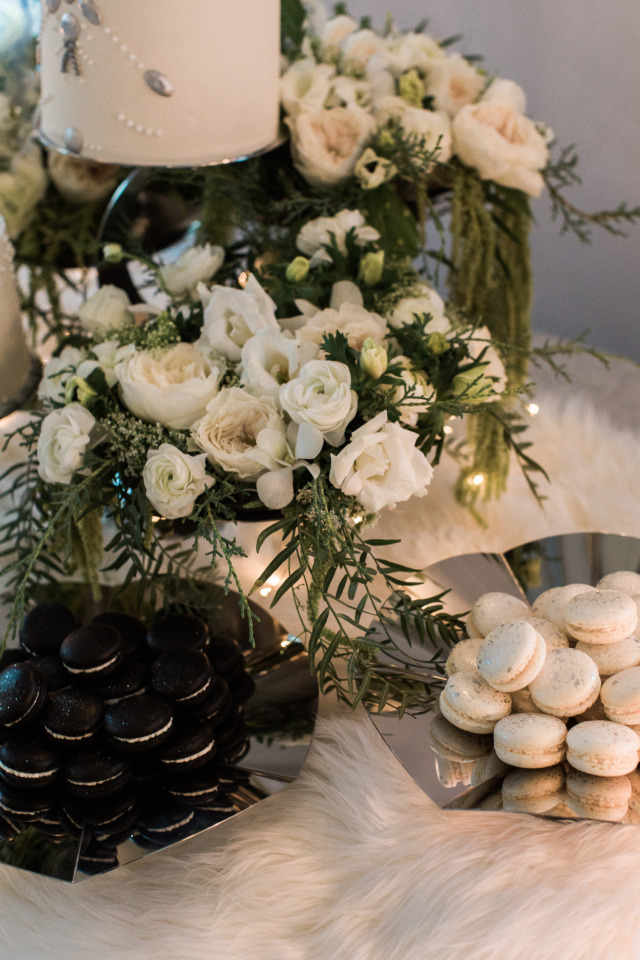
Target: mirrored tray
x: 279, y: 719
x: 574, y: 558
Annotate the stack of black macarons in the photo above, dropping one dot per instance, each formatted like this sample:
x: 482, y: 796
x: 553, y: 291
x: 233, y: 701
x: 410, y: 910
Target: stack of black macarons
x: 112, y: 730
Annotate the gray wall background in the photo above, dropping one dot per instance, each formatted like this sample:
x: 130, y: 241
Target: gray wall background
x: 579, y: 64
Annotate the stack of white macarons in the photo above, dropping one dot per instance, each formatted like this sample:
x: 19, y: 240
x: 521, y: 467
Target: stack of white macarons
x: 554, y: 692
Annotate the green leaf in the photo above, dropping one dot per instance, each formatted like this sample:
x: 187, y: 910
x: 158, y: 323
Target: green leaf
x: 271, y: 568
x: 394, y: 221
x: 316, y: 634
x: 291, y: 21
x: 287, y: 584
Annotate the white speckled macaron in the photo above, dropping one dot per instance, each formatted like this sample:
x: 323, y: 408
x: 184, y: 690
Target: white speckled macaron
x: 521, y: 702
x: 624, y: 581
x: 468, y: 702
x: 600, y: 798
x: 472, y: 630
x: 454, y: 744
x: 553, y: 637
x: 530, y: 740
x: 557, y: 604
x: 541, y: 602
x: 567, y: 684
x: 602, y: 748
x: 533, y: 791
x: 620, y: 696
x: 611, y: 658
x: 493, y: 609
x: 601, y: 616
x: 463, y: 656
x: 487, y: 768
x: 511, y: 656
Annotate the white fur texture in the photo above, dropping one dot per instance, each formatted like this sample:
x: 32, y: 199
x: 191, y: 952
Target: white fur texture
x: 353, y: 862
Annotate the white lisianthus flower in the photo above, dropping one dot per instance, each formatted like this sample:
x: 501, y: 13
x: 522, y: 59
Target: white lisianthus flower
x: 425, y: 301
x: 356, y: 323
x: 193, y: 266
x: 380, y: 466
x: 333, y: 33
x: 316, y: 235
x: 373, y: 359
x: 431, y: 125
x: 174, y: 480
x: 56, y: 373
x: 358, y: 47
x: 109, y: 308
x: 109, y: 354
x: 234, y: 316
x: 453, y: 83
x: 326, y: 144
x: 349, y: 92
x: 230, y: 430
x: 321, y: 398
x: 270, y: 359
x: 281, y: 453
x: 415, y: 396
x: 372, y: 171
x: 498, y: 141
x: 64, y: 438
x: 306, y: 85
x: 171, y: 386
x: 21, y: 188
x: 407, y: 52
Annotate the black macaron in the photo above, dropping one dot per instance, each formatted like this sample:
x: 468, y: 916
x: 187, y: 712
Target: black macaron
x: 183, y: 676
x: 92, y: 651
x: 50, y: 668
x: 225, y: 655
x: 22, y: 695
x: 45, y: 627
x: 23, y: 806
x: 96, y: 858
x: 96, y: 773
x: 217, y: 704
x: 164, y: 823
x: 126, y: 681
x: 187, y: 748
x: 195, y: 789
x: 132, y: 631
x: 12, y: 655
x: 139, y: 723
x: 28, y: 762
x: 242, y: 687
x: 178, y: 631
x: 71, y: 717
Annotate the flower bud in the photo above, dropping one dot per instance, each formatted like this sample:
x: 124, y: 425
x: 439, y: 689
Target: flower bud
x: 411, y: 88
x: 437, y: 343
x: 472, y: 386
x: 112, y: 252
x: 372, y: 171
x: 297, y: 270
x: 373, y: 358
x: 79, y: 390
x: 371, y: 267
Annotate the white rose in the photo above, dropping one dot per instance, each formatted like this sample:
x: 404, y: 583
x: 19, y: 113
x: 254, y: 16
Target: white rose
x: 356, y: 323
x: 428, y: 301
x: 500, y: 143
x: 192, y: 267
x: 174, y: 480
x: 21, y: 188
x: 358, y: 48
x: 380, y: 466
x: 508, y: 91
x: 453, y: 83
x: 63, y: 440
x: 433, y: 126
x: 322, y: 398
x: 108, y: 308
x: 306, y: 85
x: 326, y: 144
x: 316, y: 235
x: 109, y: 354
x: 230, y: 430
x: 234, y: 316
x: 270, y: 359
x: 171, y: 386
x: 57, y: 372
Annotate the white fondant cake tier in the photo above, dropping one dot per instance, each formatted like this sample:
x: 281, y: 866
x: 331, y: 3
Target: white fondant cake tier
x: 15, y: 359
x: 160, y: 82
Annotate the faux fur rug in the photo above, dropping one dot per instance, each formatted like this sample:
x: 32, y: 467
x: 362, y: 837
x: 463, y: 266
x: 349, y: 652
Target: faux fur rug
x: 353, y: 862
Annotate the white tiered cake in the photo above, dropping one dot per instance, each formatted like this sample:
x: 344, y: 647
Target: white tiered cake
x: 16, y: 364
x: 160, y: 82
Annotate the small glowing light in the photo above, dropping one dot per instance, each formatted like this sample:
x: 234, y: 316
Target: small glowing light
x: 242, y: 279
x: 447, y: 430
x: 533, y: 409
x: 478, y: 479
x: 358, y: 519
x: 274, y: 580
x: 452, y: 418
x: 156, y: 519
x: 265, y: 591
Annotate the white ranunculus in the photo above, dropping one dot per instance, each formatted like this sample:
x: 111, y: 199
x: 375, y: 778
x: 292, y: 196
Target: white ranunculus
x: 193, y: 266
x: 316, y: 235
x: 326, y: 144
x: 109, y: 354
x: 380, y: 466
x: 431, y: 125
x: 234, y: 316
x: 494, y: 138
x: 453, y: 83
x: 322, y: 398
x: 358, y: 48
x: 64, y: 437
x: 230, y: 430
x: 356, y: 323
x: 174, y: 480
x: 21, y: 188
x: 171, y: 386
x: 57, y: 372
x: 270, y: 359
x: 306, y: 85
x: 507, y: 91
x: 425, y: 301
x: 82, y: 181
x: 109, y: 308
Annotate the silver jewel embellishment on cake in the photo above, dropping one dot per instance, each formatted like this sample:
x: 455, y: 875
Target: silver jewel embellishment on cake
x: 71, y: 30
x: 73, y: 140
x: 160, y: 84
x: 52, y: 5
x: 90, y: 12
